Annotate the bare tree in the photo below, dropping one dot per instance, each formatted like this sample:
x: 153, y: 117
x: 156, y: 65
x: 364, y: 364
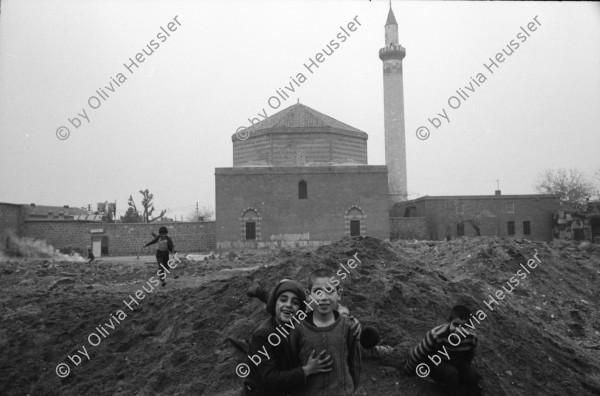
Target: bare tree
x: 572, y: 185
x: 472, y: 212
x: 148, y: 208
x: 597, y: 184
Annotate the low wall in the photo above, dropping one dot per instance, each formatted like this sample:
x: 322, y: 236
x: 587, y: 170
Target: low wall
x: 274, y: 245
x: 122, y: 239
x: 408, y: 228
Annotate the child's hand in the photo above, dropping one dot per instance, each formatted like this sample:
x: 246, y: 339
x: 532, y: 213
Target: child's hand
x: 356, y: 327
x: 318, y: 364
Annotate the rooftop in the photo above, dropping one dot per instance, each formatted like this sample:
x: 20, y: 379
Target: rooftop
x: 301, y: 116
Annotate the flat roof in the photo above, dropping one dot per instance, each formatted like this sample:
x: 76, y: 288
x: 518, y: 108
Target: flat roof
x: 282, y: 170
x: 513, y: 196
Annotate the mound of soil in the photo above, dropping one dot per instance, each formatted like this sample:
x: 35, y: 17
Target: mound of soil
x: 541, y: 338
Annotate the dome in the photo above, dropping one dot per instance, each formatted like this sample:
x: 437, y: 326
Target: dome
x: 300, y: 136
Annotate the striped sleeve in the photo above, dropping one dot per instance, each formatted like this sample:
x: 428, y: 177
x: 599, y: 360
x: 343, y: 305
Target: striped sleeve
x: 428, y: 345
x: 471, y: 353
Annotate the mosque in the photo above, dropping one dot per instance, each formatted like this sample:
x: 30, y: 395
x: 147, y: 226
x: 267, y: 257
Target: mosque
x: 302, y: 178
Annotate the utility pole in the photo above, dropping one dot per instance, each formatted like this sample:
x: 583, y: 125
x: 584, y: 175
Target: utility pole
x: 197, y: 213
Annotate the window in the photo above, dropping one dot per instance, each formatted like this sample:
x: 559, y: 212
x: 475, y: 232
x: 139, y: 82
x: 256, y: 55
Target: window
x: 527, y: 228
x: 250, y: 225
x: 510, y: 208
x: 511, y: 227
x: 354, y: 228
x: 104, y: 245
x: 460, y: 229
x: 302, y: 190
x: 410, y: 211
x: 250, y: 230
x: 355, y: 221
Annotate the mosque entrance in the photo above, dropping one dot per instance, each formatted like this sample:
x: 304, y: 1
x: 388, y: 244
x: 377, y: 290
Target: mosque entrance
x: 354, y: 228
x: 250, y: 230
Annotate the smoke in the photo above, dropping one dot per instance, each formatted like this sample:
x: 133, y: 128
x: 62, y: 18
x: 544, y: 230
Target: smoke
x: 37, y: 249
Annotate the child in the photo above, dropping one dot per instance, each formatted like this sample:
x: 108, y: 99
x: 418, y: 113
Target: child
x: 274, y: 370
x: 91, y: 256
x: 163, y: 247
x: 255, y: 290
x: 324, y: 329
x: 455, y: 366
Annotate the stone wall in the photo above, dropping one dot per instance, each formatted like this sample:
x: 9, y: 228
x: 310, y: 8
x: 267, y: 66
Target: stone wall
x: 492, y: 213
x: 11, y: 218
x: 336, y: 196
x: 408, y: 228
x: 122, y: 239
x: 290, y: 148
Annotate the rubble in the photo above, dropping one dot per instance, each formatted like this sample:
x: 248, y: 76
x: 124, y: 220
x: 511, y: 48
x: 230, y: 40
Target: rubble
x: 540, y: 339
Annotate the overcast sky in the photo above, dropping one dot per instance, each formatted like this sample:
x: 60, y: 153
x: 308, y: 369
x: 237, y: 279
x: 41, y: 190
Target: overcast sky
x: 168, y: 123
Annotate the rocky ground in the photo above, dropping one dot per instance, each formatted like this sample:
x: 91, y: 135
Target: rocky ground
x: 541, y: 339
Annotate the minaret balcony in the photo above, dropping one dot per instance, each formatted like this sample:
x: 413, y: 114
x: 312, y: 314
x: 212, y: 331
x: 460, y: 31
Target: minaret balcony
x: 392, y: 51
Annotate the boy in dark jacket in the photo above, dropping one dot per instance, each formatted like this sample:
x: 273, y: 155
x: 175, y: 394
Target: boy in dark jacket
x: 163, y: 247
x: 454, y: 347
x: 274, y: 369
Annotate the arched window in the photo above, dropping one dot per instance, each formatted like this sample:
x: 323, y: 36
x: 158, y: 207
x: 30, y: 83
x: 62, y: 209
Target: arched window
x: 302, y: 190
x: 250, y: 225
x: 355, y: 221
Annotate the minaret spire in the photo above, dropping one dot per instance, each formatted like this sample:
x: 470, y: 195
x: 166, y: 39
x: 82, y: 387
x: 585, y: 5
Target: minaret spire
x: 391, y: 19
x: 393, y: 101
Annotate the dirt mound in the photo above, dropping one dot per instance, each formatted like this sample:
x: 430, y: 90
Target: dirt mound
x: 541, y: 338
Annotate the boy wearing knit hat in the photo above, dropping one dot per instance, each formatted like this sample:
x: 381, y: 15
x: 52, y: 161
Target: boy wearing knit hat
x: 274, y: 369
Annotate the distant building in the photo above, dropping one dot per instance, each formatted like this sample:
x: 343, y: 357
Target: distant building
x: 300, y: 179
x: 35, y: 212
x: 443, y: 217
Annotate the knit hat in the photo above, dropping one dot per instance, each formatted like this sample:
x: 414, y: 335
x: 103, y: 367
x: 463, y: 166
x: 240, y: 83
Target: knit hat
x: 282, y: 287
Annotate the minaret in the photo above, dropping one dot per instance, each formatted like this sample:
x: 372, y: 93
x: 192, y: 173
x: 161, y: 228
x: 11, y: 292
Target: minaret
x: 393, y: 102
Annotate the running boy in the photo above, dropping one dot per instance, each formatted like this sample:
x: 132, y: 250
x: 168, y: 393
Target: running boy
x: 91, y: 256
x: 324, y: 329
x: 163, y: 247
x: 455, y: 366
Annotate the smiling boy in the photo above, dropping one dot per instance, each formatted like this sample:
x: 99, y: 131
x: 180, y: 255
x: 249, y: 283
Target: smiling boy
x: 274, y: 369
x: 324, y: 329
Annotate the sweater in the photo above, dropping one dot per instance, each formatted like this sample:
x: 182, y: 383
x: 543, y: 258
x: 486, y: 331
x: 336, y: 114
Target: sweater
x: 436, y: 342
x: 281, y: 372
x: 164, y: 245
x: 344, y: 348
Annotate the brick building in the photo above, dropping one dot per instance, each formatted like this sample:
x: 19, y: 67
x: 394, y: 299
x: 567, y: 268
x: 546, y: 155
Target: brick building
x: 522, y: 216
x: 300, y: 179
x: 11, y: 220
